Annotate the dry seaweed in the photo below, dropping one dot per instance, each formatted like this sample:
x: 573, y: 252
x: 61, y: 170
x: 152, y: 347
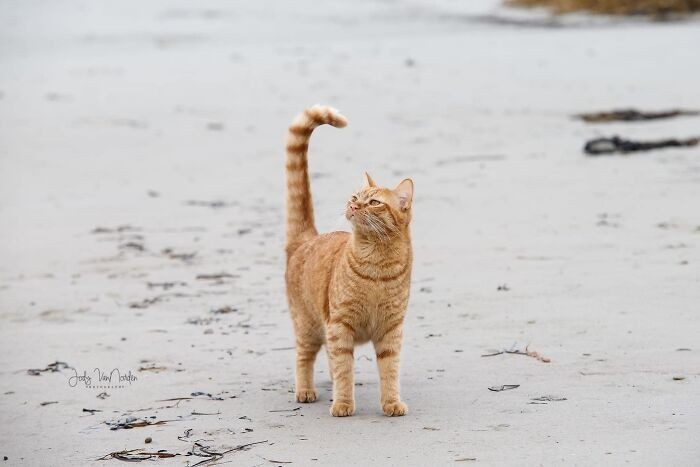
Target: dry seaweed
x: 503, y: 387
x: 286, y: 410
x: 170, y: 253
x: 51, y: 368
x: 135, y: 246
x: 165, y: 285
x: 198, y: 449
x: 207, y: 395
x: 152, y: 367
x: 216, y: 276
x: 192, y: 396
x: 133, y: 455
x: 127, y: 423
x: 118, y: 229
x: 615, y: 144
x: 654, y: 8
x: 542, y: 400
x: 145, y: 303
x: 215, y: 204
x: 201, y: 450
x: 632, y: 115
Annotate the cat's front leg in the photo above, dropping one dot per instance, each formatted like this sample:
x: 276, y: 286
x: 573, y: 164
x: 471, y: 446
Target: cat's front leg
x: 340, y: 342
x: 388, y: 348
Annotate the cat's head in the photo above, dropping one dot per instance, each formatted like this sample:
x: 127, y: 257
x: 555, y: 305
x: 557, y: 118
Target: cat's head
x: 380, y: 212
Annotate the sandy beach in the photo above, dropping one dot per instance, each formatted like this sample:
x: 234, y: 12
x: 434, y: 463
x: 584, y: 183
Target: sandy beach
x: 142, y: 229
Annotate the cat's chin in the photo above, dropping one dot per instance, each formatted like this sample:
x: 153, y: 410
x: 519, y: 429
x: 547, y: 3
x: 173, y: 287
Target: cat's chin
x: 357, y: 226
x: 355, y: 222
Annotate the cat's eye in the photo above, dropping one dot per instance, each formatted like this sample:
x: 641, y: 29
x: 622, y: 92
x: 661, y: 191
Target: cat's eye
x: 353, y: 199
x: 374, y: 202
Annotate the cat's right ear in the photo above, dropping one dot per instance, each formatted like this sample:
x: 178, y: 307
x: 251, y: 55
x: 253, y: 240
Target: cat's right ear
x: 369, y: 183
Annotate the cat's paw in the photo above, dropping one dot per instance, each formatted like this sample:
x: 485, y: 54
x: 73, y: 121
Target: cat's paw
x: 307, y: 395
x: 342, y: 409
x: 394, y: 409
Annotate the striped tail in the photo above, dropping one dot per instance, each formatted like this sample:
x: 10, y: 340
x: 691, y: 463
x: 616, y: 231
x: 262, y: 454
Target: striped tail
x: 300, y: 211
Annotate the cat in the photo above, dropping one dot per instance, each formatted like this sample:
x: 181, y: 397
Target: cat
x: 346, y: 288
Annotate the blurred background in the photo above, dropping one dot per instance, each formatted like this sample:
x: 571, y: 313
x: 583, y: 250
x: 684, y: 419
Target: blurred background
x: 142, y: 224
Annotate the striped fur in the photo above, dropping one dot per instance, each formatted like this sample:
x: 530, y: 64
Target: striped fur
x: 300, y: 211
x: 343, y: 288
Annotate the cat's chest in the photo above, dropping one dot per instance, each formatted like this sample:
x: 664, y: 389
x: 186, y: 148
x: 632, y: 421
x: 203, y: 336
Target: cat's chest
x: 369, y: 320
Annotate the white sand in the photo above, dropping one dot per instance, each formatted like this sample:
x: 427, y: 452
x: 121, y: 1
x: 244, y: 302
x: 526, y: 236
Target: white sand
x: 104, y: 102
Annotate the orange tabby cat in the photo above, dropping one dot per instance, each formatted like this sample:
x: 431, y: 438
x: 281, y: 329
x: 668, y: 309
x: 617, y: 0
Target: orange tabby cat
x: 343, y: 288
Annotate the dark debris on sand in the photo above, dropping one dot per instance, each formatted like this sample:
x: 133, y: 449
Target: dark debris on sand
x: 50, y: 368
x: 615, y: 144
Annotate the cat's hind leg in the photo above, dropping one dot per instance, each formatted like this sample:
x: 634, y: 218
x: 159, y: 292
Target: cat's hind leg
x: 306, y: 350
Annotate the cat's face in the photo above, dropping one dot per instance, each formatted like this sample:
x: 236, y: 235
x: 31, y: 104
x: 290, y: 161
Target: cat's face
x: 380, y: 212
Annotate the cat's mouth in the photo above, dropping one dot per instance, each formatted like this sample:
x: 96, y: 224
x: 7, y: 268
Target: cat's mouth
x: 355, y: 220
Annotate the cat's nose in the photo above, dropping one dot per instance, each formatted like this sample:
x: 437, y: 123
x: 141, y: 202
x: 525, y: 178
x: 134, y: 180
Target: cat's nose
x: 354, y: 207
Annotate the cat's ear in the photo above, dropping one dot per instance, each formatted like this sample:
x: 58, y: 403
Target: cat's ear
x: 404, y: 190
x: 369, y: 183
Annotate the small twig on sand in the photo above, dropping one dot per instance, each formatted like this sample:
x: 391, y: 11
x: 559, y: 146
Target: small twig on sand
x: 526, y: 352
x: 203, y: 413
x: 286, y: 410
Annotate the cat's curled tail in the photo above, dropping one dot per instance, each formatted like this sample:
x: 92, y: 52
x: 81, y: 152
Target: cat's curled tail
x: 300, y: 211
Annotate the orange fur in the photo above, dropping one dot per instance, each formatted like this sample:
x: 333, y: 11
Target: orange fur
x: 346, y: 289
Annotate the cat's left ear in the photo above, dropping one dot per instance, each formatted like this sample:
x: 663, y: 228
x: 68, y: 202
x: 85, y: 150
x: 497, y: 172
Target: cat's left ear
x: 369, y: 183
x: 404, y: 190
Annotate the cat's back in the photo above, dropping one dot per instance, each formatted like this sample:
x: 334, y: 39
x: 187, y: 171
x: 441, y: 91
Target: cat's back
x: 320, y: 247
